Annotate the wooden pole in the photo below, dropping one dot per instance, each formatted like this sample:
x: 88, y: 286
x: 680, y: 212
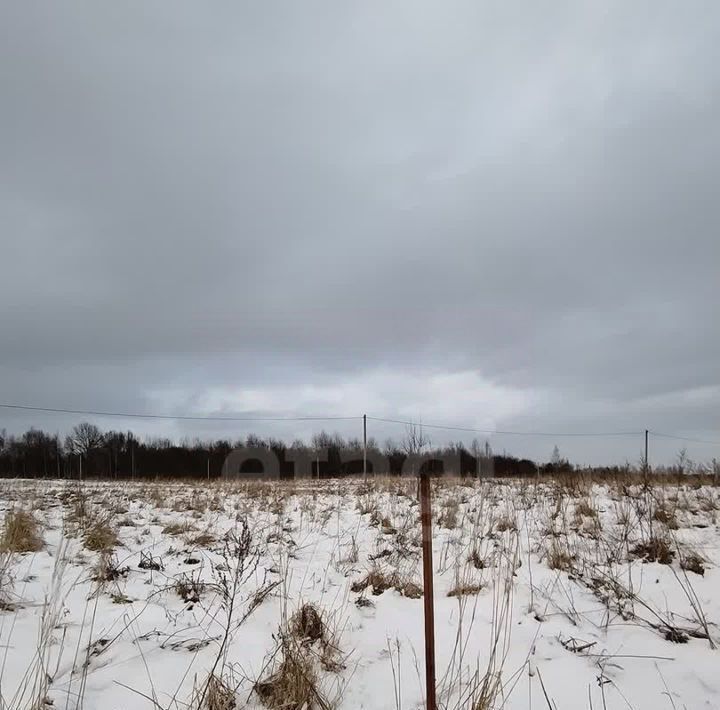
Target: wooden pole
x: 364, y: 445
x: 428, y: 594
x: 647, y: 461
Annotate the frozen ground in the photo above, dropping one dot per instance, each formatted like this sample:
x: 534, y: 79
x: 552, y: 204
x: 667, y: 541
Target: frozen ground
x: 289, y: 595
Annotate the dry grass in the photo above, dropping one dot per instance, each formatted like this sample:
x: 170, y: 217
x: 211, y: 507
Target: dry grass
x: 203, y: 539
x: 463, y: 590
x: 307, y: 623
x: 476, y: 559
x: 561, y: 525
x: 218, y: 695
x: 559, y: 558
x: 692, y: 562
x: 379, y: 581
x: 21, y: 532
x: 665, y: 516
x: 179, y: 528
x: 449, y: 515
x: 307, y: 645
x: 294, y: 684
x: 584, y: 508
x: 99, y: 536
x: 655, y: 549
x: 189, y: 588
x: 108, y: 569
x: 505, y: 523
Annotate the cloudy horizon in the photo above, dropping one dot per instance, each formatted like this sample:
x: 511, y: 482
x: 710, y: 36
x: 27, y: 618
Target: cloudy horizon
x: 457, y: 213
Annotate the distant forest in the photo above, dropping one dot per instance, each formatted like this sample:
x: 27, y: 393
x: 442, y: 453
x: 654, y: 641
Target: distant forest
x: 88, y: 452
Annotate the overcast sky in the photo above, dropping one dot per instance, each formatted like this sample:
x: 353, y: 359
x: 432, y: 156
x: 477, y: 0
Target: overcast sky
x: 495, y: 215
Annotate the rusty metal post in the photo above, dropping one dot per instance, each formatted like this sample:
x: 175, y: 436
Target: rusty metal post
x: 428, y: 595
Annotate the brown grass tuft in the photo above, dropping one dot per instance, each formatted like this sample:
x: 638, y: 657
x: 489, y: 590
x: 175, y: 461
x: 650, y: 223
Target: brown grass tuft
x: 665, y: 516
x: 178, y: 528
x: 100, y: 537
x: 218, y: 696
x: 559, y: 558
x: 693, y: 563
x: 21, y: 532
x: 462, y: 590
x: 294, y: 685
x: 307, y: 623
x: 656, y: 549
x: 505, y: 523
x: 380, y: 582
x: 583, y: 507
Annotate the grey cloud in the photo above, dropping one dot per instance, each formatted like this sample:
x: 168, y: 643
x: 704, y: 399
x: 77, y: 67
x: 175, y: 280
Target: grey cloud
x: 254, y: 195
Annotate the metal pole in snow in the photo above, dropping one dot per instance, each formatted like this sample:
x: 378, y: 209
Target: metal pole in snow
x: 428, y: 594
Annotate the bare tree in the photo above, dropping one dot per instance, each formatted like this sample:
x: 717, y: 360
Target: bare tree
x: 684, y: 463
x: 414, y: 441
x: 556, y: 459
x: 84, y: 439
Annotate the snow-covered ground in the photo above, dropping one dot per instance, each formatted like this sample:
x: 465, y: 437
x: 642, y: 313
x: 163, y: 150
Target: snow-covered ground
x: 308, y: 594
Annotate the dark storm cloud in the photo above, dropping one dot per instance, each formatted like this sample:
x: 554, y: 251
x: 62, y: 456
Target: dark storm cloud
x: 220, y: 199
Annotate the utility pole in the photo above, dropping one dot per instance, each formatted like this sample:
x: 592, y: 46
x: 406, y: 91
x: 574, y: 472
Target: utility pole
x: 647, y: 461
x: 428, y: 594
x: 364, y: 445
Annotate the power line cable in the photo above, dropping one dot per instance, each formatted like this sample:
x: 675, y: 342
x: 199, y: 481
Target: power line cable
x: 310, y: 418
x: 498, y: 431
x: 136, y: 415
x: 684, y: 438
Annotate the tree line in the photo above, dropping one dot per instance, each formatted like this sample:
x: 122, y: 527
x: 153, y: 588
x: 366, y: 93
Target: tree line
x: 89, y: 452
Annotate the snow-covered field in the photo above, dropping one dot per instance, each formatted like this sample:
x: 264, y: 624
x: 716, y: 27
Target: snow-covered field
x: 308, y: 595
